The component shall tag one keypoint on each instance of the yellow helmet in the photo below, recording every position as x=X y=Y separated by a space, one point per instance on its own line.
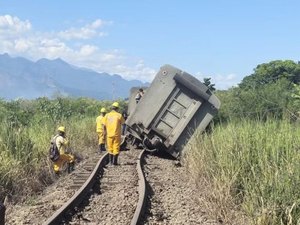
x=61 y=129
x=115 y=104
x=103 y=110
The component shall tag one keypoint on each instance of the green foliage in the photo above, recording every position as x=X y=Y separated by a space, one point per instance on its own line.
x=295 y=99
x=208 y=83
x=254 y=165
x=18 y=112
x=26 y=130
x=268 y=73
x=62 y=108
x=269 y=92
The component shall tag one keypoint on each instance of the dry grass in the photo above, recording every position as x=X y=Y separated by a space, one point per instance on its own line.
x=249 y=172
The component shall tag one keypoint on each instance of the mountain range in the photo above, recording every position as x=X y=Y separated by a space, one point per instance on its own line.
x=22 y=78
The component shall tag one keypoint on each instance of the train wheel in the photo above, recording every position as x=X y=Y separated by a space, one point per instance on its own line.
x=148 y=146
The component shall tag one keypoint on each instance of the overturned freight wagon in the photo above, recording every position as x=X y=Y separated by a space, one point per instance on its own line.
x=172 y=108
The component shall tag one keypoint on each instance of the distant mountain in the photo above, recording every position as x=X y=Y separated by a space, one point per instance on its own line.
x=22 y=78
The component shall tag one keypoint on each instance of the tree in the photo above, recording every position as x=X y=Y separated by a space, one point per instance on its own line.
x=272 y=90
x=271 y=72
x=208 y=83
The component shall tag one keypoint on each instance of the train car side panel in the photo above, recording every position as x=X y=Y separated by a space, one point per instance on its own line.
x=174 y=105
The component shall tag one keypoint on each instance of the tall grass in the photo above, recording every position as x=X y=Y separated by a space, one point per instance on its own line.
x=25 y=168
x=16 y=151
x=27 y=127
x=253 y=167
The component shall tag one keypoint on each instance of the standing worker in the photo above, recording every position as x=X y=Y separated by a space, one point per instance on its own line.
x=112 y=127
x=99 y=129
x=62 y=143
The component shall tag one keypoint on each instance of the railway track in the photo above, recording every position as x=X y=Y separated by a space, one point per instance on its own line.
x=172 y=196
x=109 y=195
x=119 y=195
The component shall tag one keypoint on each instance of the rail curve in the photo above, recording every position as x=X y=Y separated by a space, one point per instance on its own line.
x=80 y=194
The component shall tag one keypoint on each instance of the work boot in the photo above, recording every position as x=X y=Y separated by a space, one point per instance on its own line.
x=99 y=148
x=110 y=159
x=102 y=147
x=115 y=159
x=57 y=174
x=70 y=167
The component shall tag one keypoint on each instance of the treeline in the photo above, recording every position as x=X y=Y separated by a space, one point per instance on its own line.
x=271 y=91
x=25 y=112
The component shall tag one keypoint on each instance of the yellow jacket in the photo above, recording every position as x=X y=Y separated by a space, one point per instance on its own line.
x=99 y=123
x=62 y=144
x=113 y=121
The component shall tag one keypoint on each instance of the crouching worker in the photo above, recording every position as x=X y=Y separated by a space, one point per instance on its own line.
x=112 y=124
x=62 y=143
x=99 y=130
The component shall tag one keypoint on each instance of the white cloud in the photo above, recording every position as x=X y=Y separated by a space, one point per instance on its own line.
x=86 y=32
x=53 y=48
x=19 y=39
x=96 y=24
x=227 y=81
x=138 y=71
x=14 y=24
x=87 y=50
x=22 y=45
x=6 y=45
x=115 y=62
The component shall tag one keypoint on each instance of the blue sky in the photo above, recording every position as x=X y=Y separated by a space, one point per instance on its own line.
x=224 y=40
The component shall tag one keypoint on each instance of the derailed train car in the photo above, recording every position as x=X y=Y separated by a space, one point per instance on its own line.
x=172 y=108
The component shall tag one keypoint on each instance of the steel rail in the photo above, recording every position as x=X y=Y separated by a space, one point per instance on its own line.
x=77 y=198
x=2 y=214
x=140 y=208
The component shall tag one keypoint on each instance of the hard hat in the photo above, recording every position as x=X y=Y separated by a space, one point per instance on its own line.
x=115 y=104
x=61 y=129
x=103 y=110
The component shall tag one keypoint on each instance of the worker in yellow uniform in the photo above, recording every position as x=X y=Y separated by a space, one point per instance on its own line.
x=112 y=128
x=62 y=143
x=99 y=130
